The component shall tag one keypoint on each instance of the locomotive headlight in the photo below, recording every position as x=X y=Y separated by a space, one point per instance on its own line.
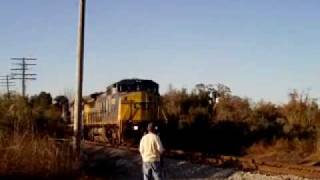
x=135 y=128
x=217 y=100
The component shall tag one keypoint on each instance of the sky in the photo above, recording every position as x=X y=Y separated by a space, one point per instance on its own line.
x=261 y=49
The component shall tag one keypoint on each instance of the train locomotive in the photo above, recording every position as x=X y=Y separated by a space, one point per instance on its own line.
x=122 y=112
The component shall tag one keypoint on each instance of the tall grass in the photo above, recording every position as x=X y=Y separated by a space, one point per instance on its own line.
x=25 y=155
x=27 y=148
x=29 y=129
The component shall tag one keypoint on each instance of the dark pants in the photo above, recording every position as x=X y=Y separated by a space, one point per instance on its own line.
x=151 y=169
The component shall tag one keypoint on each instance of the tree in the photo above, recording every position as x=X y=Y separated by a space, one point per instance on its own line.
x=43 y=100
x=62 y=104
x=223 y=90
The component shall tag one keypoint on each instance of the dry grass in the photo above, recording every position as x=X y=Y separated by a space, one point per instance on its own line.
x=30 y=156
x=282 y=145
x=283 y=150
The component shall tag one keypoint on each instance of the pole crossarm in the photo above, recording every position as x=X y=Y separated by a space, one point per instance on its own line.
x=5 y=76
x=18 y=69
x=1 y=82
x=28 y=64
x=25 y=78
x=24 y=58
x=16 y=74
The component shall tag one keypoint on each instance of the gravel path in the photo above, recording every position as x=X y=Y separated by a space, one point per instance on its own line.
x=119 y=164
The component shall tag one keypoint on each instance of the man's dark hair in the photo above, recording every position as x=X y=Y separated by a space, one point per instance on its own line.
x=150 y=127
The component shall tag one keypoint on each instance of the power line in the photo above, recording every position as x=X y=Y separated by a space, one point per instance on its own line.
x=20 y=71
x=6 y=81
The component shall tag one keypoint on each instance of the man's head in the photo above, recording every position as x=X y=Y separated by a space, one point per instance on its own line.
x=150 y=127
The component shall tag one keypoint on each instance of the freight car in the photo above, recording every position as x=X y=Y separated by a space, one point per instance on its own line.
x=122 y=112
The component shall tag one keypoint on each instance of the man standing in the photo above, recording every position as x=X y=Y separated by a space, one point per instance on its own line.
x=151 y=149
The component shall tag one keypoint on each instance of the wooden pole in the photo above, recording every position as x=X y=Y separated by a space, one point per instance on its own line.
x=77 y=126
x=8 y=86
x=23 y=78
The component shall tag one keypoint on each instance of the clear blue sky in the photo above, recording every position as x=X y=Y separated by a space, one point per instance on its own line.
x=260 y=49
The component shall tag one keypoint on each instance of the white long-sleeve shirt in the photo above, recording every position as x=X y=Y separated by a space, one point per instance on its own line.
x=150 y=148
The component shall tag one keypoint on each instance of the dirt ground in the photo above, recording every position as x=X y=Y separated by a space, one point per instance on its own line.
x=110 y=163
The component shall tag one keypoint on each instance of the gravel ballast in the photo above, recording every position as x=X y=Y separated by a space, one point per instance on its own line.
x=128 y=166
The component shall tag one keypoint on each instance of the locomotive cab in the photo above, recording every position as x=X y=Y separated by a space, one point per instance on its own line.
x=123 y=111
x=139 y=106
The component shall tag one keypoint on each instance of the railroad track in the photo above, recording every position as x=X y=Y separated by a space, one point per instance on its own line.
x=242 y=163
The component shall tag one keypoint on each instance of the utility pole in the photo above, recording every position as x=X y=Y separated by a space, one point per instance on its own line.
x=6 y=81
x=77 y=121
x=20 y=72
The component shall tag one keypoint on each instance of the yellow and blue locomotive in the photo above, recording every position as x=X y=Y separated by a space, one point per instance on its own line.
x=122 y=111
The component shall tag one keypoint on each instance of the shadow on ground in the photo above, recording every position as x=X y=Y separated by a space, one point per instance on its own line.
x=102 y=163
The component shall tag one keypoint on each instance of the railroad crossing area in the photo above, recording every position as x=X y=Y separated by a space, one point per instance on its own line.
x=113 y=163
